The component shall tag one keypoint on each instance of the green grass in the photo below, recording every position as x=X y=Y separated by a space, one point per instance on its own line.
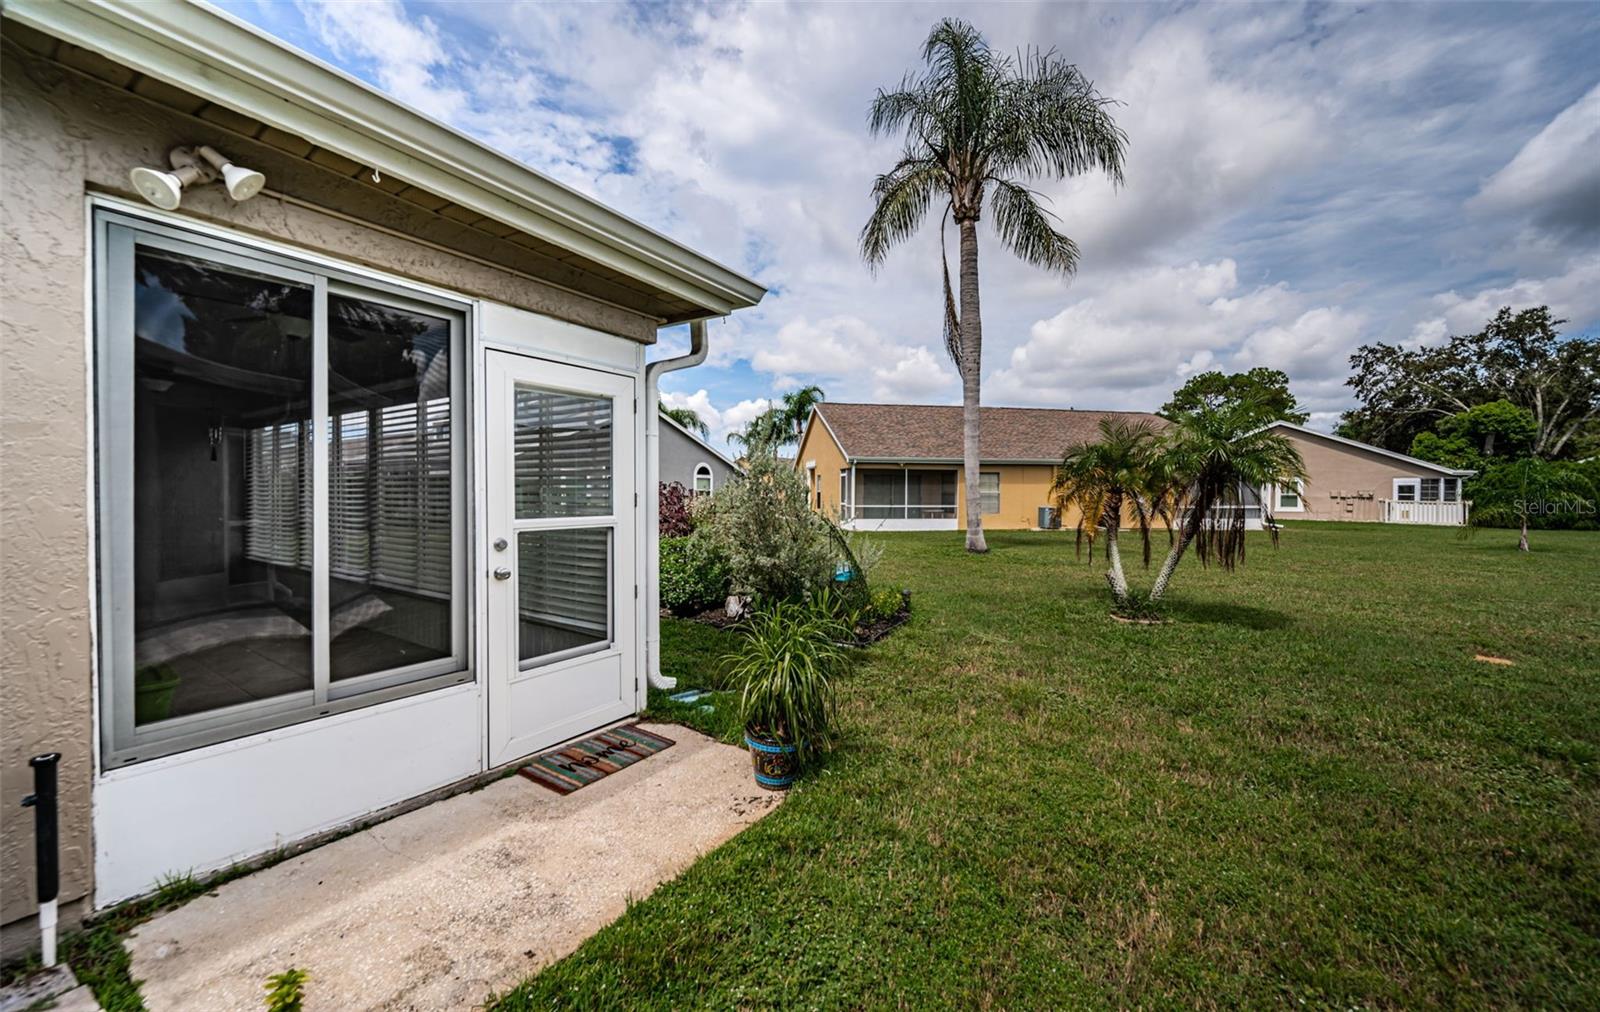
x=1302 y=790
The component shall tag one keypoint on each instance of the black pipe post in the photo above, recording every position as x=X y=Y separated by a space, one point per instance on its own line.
x=46 y=848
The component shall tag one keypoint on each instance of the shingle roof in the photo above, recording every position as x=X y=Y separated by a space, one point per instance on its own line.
x=933 y=431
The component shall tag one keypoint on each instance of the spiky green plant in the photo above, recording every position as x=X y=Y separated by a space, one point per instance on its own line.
x=977 y=124
x=785 y=663
x=1105 y=479
x=286 y=990
x=1207 y=465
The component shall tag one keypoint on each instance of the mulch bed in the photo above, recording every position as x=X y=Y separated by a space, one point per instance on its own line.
x=866 y=635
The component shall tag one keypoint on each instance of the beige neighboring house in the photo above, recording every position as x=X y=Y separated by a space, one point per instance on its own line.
x=898 y=467
x=1349 y=480
x=320 y=492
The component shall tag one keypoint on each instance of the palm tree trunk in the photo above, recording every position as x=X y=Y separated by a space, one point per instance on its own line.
x=1115 y=576
x=1113 y=522
x=1522 y=543
x=1164 y=577
x=971 y=369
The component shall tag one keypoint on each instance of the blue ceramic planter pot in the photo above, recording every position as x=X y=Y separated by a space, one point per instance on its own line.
x=777 y=765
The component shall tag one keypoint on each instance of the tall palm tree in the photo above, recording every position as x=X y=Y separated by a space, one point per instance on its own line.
x=795 y=409
x=1207 y=465
x=689 y=419
x=976 y=124
x=1104 y=479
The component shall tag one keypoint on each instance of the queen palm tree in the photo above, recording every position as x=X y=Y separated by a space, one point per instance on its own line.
x=1104 y=479
x=1207 y=464
x=781 y=423
x=689 y=418
x=980 y=124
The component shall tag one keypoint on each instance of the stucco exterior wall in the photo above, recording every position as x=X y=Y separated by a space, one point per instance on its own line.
x=680 y=455
x=818 y=446
x=66 y=135
x=1346 y=482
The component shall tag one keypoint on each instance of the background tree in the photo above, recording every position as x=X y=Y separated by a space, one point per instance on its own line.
x=1103 y=479
x=1530 y=492
x=1518 y=357
x=1209 y=460
x=1266 y=388
x=979 y=124
x=781 y=424
x=1472 y=438
x=689 y=419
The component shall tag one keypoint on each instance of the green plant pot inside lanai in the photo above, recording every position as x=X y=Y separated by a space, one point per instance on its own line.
x=785 y=666
x=153 y=688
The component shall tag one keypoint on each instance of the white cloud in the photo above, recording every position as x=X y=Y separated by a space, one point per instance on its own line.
x=1572 y=295
x=853 y=359
x=401 y=49
x=1130 y=344
x=1555 y=177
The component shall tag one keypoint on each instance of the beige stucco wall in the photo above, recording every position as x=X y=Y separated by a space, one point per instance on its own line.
x=65 y=135
x=818 y=446
x=1346 y=482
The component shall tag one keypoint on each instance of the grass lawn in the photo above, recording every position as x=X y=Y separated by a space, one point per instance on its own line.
x=1305 y=789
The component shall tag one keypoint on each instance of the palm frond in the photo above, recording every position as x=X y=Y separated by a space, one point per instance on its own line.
x=1027 y=229
x=901 y=199
x=952 y=319
x=1055 y=124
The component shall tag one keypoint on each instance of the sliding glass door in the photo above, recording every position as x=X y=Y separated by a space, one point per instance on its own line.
x=281 y=490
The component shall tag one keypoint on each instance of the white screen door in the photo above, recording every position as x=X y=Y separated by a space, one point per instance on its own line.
x=560 y=593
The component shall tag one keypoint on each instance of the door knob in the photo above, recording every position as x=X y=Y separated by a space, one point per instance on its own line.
x=499 y=544
x=502 y=573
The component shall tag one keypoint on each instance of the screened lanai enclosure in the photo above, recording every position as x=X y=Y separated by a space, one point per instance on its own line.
x=225 y=497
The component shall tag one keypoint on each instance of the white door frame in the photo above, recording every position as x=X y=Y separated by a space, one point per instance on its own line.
x=532 y=707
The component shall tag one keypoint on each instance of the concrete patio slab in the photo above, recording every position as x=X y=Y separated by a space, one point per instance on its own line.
x=441 y=906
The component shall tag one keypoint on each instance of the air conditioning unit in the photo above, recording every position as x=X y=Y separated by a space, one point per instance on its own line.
x=1049 y=518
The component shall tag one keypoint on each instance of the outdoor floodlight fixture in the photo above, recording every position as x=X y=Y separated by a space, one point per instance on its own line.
x=191 y=166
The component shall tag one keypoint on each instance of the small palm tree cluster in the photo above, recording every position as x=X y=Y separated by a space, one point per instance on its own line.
x=1195 y=478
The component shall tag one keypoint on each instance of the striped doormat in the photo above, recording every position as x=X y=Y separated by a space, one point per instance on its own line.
x=581 y=763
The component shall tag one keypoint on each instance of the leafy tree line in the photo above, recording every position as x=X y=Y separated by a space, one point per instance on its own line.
x=1515 y=402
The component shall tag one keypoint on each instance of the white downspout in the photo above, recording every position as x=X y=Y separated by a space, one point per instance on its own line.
x=652 y=509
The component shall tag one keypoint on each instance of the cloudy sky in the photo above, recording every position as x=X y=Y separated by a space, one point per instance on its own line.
x=1300 y=179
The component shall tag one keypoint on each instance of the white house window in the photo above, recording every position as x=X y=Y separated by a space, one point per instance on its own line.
x=702 y=479
x=1430 y=489
x=1288 y=498
x=1405 y=491
x=844 y=487
x=989 y=492
x=280 y=490
x=1452 y=490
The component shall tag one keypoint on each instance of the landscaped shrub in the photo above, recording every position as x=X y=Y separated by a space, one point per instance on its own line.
x=675 y=520
x=761 y=526
x=692 y=579
x=886 y=604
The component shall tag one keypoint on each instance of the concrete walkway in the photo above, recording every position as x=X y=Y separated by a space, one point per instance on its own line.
x=439 y=907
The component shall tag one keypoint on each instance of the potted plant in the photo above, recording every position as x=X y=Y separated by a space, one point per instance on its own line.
x=153 y=688
x=785 y=666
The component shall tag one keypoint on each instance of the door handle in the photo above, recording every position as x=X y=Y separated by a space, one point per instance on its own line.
x=502 y=573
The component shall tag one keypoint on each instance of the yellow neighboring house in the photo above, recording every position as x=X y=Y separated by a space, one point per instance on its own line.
x=898 y=467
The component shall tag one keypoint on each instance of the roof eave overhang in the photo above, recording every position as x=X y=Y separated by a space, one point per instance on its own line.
x=982 y=461
x=1456 y=472
x=178 y=42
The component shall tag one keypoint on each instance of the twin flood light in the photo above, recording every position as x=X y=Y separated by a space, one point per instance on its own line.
x=194 y=166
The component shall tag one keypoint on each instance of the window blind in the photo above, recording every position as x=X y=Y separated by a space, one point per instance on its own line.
x=562 y=454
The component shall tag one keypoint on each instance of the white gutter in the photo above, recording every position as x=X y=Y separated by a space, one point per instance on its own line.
x=652 y=509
